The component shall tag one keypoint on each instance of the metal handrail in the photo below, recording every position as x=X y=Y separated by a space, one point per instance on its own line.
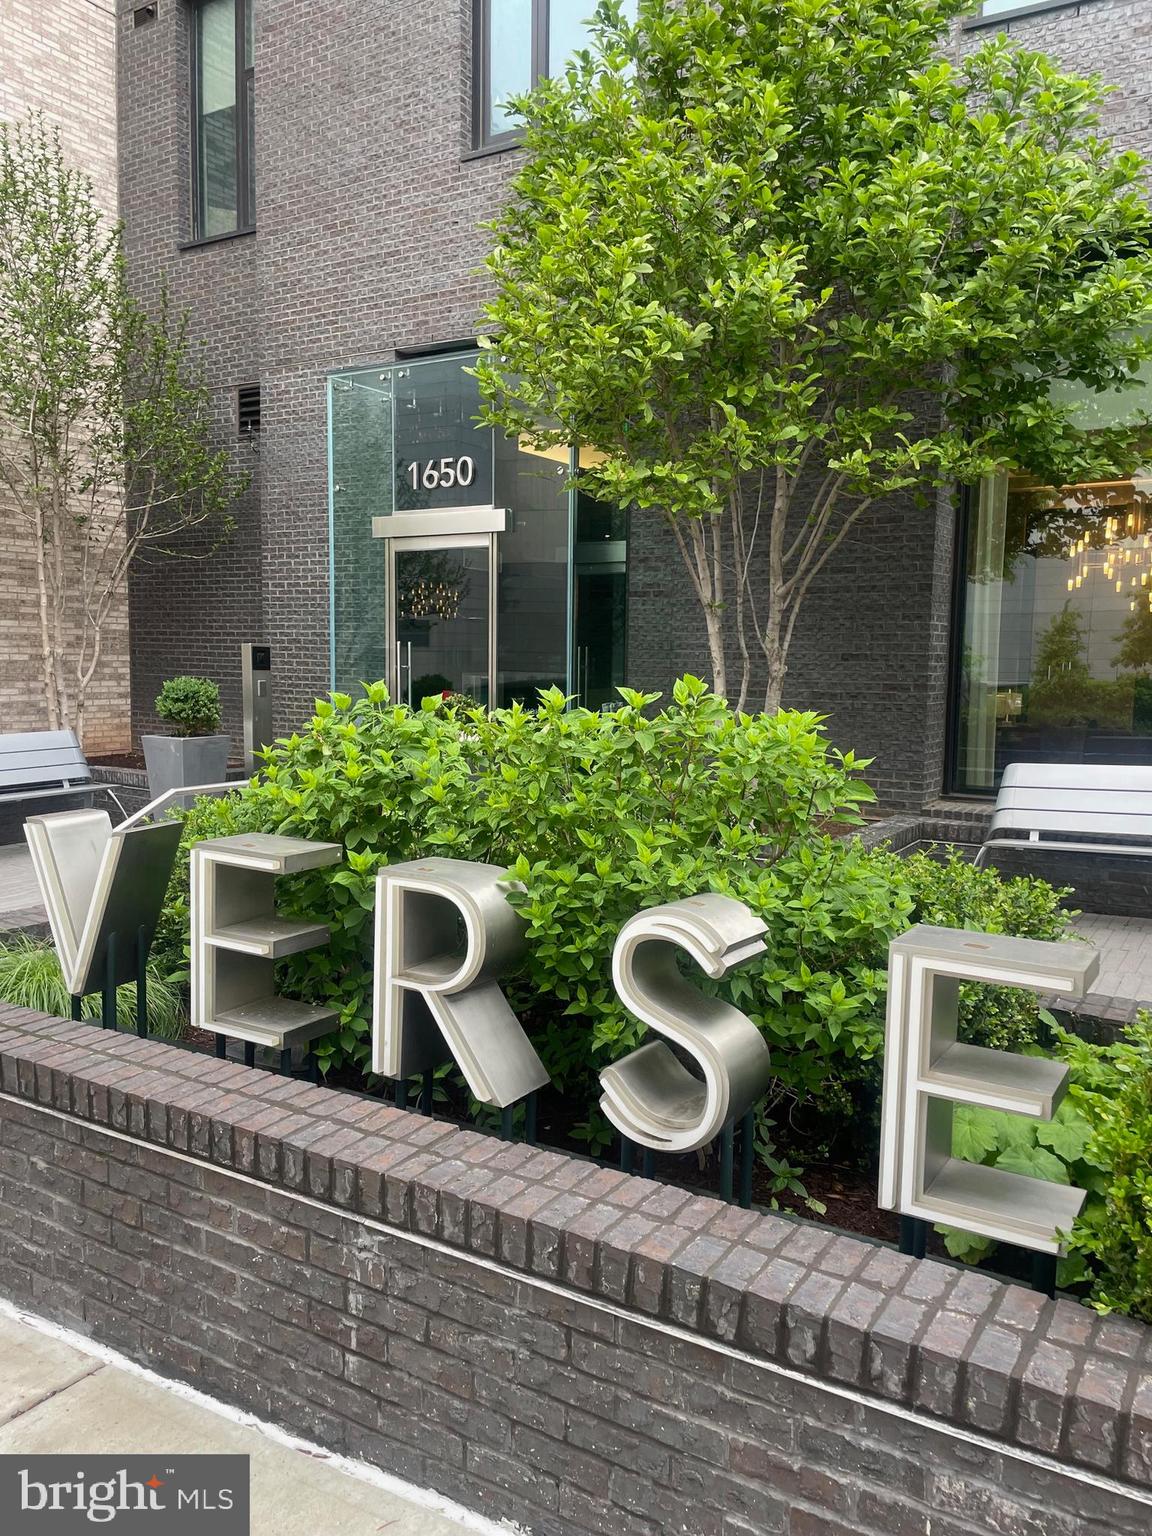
x=170 y=795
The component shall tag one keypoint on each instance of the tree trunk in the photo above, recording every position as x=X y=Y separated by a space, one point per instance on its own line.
x=775 y=656
x=47 y=658
x=714 y=623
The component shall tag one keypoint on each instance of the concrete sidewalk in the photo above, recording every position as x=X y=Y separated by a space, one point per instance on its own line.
x=56 y=1397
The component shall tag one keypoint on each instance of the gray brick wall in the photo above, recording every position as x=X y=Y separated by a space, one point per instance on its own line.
x=367 y=213
x=563 y=1346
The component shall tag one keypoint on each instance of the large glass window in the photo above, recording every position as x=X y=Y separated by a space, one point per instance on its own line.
x=223 y=161
x=1056 y=652
x=518 y=43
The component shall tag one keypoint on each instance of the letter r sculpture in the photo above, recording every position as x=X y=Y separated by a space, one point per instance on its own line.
x=444 y=932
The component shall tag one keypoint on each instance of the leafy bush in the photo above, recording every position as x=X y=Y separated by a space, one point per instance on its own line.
x=30 y=978
x=190 y=703
x=950 y=892
x=598 y=815
x=464 y=702
x=1114 y=1233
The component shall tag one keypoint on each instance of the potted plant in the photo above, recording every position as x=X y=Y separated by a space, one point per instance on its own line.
x=196 y=752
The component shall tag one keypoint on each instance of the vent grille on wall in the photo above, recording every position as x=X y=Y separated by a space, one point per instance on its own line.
x=143 y=14
x=248 y=410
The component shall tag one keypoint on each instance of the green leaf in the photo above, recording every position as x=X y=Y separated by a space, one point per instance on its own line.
x=975 y=1132
x=969 y=1247
x=1035 y=1162
x=1067 y=1134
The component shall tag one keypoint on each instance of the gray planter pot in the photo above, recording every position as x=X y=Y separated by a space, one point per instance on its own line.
x=178 y=762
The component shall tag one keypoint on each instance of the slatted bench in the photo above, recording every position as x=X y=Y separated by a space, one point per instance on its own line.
x=1073 y=808
x=39 y=765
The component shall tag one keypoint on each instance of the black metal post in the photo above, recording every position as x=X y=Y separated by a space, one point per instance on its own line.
x=221 y=1046
x=77 y=1007
x=108 y=1007
x=249 y=1053
x=1044 y=1273
x=142 y=982
x=530 y=1119
x=427 y=1090
x=747 y=1157
x=401 y=1093
x=286 y=1061
x=913 y=1236
x=627 y=1154
x=727 y=1136
x=506 y=1121
x=648 y=1163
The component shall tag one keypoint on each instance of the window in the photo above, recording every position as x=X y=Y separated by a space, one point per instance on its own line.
x=994 y=10
x=1055 y=660
x=222 y=94
x=518 y=43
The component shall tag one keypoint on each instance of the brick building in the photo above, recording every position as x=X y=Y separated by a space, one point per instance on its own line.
x=312 y=189
x=59 y=59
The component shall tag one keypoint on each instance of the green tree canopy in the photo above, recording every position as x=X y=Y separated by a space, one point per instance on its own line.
x=774 y=260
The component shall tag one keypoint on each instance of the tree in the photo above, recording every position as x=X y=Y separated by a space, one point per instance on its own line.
x=104 y=419
x=1135 y=653
x=774 y=260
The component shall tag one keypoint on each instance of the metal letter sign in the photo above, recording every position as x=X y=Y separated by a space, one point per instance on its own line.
x=651 y=1096
x=103 y=889
x=444 y=932
x=927 y=1070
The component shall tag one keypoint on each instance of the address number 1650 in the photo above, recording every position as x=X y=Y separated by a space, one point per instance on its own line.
x=442 y=474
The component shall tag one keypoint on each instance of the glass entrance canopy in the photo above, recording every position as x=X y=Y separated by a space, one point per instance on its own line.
x=415 y=486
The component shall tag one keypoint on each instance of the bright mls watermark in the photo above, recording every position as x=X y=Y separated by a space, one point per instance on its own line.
x=146 y=1495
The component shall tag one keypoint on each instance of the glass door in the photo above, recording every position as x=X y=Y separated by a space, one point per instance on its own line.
x=440 y=599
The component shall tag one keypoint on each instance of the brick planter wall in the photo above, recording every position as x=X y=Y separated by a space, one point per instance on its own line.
x=549 y=1342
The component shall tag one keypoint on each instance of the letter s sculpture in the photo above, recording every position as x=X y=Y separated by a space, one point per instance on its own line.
x=651 y=1096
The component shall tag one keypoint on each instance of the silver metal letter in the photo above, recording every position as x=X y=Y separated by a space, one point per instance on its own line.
x=927 y=1070
x=237 y=938
x=444 y=932
x=651 y=1096
x=97 y=880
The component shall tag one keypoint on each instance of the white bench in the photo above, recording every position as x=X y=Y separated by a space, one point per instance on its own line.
x=1072 y=808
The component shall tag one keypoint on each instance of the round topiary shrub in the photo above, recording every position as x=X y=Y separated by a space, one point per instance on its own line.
x=191 y=704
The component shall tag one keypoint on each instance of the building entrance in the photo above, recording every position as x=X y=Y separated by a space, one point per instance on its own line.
x=442 y=609
x=463 y=559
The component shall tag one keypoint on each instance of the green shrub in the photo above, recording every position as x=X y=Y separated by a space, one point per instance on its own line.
x=464 y=702
x=950 y=892
x=599 y=814
x=30 y=978
x=1114 y=1234
x=191 y=704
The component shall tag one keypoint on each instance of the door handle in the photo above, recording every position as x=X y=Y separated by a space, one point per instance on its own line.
x=403 y=686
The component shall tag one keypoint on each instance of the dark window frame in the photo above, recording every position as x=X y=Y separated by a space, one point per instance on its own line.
x=482 y=140
x=245 y=87
x=1024 y=9
x=967 y=504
